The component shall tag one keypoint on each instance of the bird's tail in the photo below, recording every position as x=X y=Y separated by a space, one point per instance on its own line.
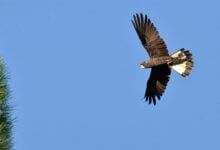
x=185 y=65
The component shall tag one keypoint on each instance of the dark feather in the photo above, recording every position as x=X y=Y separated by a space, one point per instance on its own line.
x=157 y=83
x=149 y=36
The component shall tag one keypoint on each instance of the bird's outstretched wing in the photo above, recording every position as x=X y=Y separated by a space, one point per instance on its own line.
x=157 y=82
x=149 y=36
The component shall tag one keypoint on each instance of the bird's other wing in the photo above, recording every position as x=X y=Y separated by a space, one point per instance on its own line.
x=157 y=83
x=149 y=36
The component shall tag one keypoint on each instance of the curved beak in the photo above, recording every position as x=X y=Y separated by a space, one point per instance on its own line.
x=142 y=66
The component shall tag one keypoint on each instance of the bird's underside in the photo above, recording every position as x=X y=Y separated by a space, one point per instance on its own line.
x=160 y=61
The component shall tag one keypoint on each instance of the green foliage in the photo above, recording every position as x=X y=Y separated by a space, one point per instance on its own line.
x=5 y=118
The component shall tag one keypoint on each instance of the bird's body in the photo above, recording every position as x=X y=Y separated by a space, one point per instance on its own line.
x=182 y=60
x=157 y=61
x=160 y=61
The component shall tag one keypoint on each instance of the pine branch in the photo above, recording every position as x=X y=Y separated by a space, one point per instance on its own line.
x=5 y=117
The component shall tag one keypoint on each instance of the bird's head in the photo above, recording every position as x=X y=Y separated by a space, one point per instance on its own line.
x=145 y=64
x=142 y=66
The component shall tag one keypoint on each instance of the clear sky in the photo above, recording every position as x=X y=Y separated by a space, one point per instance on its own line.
x=76 y=83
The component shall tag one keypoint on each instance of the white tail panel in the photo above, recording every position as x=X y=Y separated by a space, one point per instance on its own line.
x=181 y=68
x=185 y=67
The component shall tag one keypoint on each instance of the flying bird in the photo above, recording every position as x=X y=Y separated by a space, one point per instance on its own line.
x=160 y=61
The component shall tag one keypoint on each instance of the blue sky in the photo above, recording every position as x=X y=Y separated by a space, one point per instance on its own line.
x=76 y=83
